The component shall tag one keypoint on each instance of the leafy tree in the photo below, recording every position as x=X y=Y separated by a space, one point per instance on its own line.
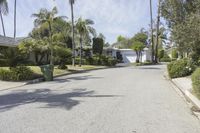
x=102 y=36
x=39 y=48
x=61 y=55
x=184 y=22
x=139 y=43
x=138 y=47
x=120 y=38
x=98 y=46
x=140 y=37
x=123 y=42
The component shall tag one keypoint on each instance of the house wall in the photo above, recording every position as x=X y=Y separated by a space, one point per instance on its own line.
x=129 y=55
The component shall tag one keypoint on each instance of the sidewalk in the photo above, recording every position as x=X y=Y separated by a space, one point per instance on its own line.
x=185 y=86
x=8 y=85
x=185 y=83
x=4 y=85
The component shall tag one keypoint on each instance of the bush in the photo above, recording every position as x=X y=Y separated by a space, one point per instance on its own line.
x=196 y=82
x=101 y=60
x=180 y=68
x=165 y=58
x=62 y=56
x=161 y=54
x=174 y=54
x=83 y=61
x=16 y=74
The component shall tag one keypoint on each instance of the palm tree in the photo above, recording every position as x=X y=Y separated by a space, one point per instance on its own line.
x=15 y=18
x=71 y=2
x=45 y=16
x=84 y=30
x=152 y=38
x=3 y=11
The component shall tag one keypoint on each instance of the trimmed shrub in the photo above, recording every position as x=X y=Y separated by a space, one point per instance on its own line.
x=16 y=74
x=196 y=82
x=101 y=60
x=180 y=68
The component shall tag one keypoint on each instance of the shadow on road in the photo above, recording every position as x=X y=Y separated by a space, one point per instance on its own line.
x=68 y=79
x=46 y=96
x=150 y=68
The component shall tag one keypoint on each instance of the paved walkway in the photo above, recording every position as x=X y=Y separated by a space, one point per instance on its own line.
x=118 y=100
x=184 y=83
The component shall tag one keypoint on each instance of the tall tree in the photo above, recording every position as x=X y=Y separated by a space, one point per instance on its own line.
x=45 y=16
x=15 y=18
x=72 y=2
x=138 y=48
x=3 y=11
x=84 y=30
x=157 y=31
x=139 y=42
x=152 y=38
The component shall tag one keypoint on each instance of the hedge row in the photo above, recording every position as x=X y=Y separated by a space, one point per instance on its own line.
x=20 y=73
x=196 y=82
x=98 y=60
x=180 y=68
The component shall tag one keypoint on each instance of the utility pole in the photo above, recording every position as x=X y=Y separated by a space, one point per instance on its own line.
x=157 y=31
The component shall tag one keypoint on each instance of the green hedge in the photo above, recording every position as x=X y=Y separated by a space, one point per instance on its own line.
x=165 y=58
x=180 y=68
x=196 y=82
x=98 y=60
x=20 y=73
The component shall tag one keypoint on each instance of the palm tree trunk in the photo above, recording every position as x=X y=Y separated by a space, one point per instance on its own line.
x=73 y=41
x=2 y=22
x=152 y=39
x=157 y=32
x=15 y=18
x=81 y=42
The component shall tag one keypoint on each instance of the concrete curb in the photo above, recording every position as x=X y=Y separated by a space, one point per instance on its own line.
x=57 y=76
x=35 y=81
x=193 y=99
x=187 y=94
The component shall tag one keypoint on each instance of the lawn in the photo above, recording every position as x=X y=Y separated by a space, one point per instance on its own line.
x=71 y=69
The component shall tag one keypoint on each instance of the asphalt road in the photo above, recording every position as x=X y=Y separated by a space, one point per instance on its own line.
x=118 y=100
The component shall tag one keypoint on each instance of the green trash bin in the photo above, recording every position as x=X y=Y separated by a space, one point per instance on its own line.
x=47 y=71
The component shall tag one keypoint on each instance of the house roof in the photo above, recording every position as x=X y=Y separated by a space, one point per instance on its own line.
x=10 y=42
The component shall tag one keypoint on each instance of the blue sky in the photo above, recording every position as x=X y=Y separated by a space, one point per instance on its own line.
x=112 y=17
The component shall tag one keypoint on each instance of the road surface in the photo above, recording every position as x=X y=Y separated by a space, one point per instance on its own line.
x=117 y=100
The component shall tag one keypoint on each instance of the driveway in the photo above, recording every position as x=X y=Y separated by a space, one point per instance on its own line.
x=118 y=100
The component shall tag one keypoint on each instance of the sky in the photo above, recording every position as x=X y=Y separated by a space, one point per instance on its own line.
x=111 y=17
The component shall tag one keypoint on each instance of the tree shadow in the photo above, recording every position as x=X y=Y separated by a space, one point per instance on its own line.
x=46 y=96
x=150 y=68
x=68 y=79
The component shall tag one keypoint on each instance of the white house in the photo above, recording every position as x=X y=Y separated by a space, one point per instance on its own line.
x=128 y=55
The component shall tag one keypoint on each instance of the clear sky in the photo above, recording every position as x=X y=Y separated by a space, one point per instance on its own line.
x=111 y=17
